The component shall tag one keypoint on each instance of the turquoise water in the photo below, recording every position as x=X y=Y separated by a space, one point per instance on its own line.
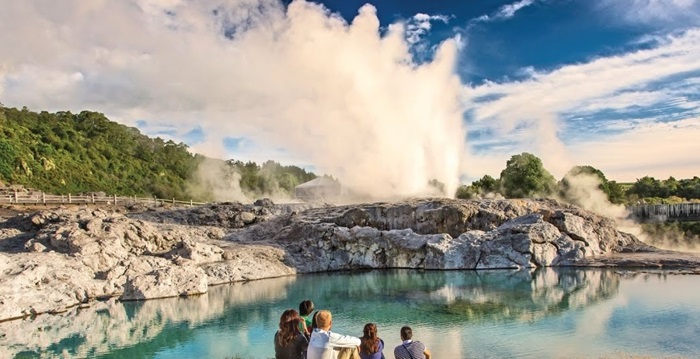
x=551 y=313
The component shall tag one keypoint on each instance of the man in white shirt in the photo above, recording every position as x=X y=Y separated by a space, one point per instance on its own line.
x=323 y=342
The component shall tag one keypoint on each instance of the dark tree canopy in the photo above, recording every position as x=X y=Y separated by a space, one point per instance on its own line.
x=650 y=187
x=484 y=185
x=525 y=176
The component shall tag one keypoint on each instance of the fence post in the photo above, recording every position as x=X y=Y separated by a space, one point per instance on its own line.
x=70 y=200
x=190 y=202
x=93 y=198
x=16 y=198
x=155 y=200
x=173 y=200
x=43 y=197
x=115 y=199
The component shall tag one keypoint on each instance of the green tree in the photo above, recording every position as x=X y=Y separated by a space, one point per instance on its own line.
x=466 y=192
x=612 y=189
x=689 y=188
x=487 y=184
x=646 y=187
x=615 y=192
x=7 y=159
x=525 y=176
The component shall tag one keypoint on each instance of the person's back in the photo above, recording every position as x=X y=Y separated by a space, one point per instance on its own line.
x=306 y=307
x=290 y=343
x=372 y=345
x=410 y=349
x=323 y=342
x=291 y=350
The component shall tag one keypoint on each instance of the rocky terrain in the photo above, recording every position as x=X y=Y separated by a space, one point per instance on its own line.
x=54 y=259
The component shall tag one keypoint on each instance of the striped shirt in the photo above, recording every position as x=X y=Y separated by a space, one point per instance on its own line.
x=410 y=350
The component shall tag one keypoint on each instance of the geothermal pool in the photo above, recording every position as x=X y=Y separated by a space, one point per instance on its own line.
x=548 y=313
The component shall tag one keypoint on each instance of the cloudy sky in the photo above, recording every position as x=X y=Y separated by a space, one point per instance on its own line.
x=383 y=93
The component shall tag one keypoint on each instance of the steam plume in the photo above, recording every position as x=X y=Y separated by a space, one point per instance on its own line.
x=347 y=98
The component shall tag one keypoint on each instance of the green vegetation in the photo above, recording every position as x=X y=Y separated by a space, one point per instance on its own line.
x=65 y=153
x=525 y=176
x=269 y=178
x=666 y=191
x=614 y=191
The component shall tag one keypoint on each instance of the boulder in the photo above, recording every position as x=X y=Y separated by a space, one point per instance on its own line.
x=42 y=283
x=162 y=280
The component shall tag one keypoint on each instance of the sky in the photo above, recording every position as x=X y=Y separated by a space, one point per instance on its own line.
x=383 y=94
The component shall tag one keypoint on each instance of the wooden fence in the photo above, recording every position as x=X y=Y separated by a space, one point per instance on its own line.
x=667 y=212
x=20 y=198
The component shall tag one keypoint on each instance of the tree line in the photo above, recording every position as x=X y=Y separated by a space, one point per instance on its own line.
x=65 y=153
x=525 y=176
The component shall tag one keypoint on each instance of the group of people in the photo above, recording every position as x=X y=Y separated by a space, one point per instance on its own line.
x=302 y=335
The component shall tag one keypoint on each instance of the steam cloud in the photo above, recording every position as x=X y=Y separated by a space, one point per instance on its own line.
x=345 y=97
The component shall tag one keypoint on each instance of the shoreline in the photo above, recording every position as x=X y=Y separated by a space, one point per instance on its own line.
x=52 y=260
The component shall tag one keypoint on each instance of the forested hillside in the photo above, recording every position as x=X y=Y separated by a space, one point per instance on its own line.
x=65 y=153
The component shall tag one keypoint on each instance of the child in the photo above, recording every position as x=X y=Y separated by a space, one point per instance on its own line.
x=306 y=307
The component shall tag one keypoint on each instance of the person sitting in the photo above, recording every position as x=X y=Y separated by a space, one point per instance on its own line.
x=371 y=345
x=306 y=307
x=290 y=342
x=410 y=349
x=323 y=342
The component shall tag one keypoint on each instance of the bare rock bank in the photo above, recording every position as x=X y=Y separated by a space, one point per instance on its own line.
x=54 y=259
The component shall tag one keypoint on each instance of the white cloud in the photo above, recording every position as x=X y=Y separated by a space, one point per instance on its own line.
x=534 y=107
x=508 y=11
x=420 y=24
x=656 y=149
x=336 y=95
x=505 y=12
x=653 y=12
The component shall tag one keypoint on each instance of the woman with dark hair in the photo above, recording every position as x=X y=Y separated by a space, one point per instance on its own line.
x=371 y=345
x=290 y=342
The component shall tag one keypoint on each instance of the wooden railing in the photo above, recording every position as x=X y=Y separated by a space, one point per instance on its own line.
x=20 y=198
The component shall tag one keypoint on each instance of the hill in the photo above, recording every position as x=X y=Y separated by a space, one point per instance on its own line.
x=65 y=153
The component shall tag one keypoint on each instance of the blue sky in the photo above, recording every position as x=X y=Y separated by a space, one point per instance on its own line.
x=420 y=89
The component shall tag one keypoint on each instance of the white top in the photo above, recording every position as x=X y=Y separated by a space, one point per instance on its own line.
x=323 y=342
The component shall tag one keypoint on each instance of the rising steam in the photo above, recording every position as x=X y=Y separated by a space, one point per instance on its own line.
x=346 y=98
x=351 y=100
x=583 y=190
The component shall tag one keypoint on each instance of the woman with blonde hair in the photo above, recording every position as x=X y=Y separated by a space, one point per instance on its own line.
x=371 y=345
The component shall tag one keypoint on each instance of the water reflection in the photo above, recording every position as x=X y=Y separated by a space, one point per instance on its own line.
x=495 y=296
x=135 y=329
x=458 y=313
